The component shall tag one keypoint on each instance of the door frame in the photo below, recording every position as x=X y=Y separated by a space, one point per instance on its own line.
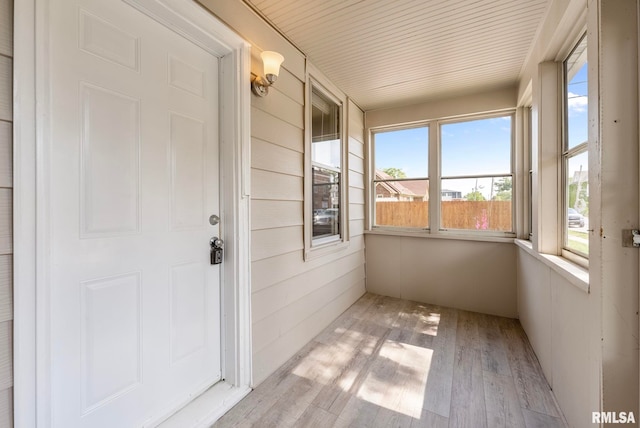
x=31 y=334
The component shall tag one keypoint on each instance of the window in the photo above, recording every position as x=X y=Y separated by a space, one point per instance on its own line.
x=401 y=178
x=326 y=167
x=476 y=166
x=575 y=155
x=475 y=163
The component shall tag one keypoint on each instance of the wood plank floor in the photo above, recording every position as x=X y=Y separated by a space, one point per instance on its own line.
x=388 y=362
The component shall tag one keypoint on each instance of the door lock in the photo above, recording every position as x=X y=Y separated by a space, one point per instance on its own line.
x=631 y=238
x=216 y=250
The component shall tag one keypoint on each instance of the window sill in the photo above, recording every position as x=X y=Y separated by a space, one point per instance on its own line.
x=325 y=249
x=441 y=235
x=572 y=272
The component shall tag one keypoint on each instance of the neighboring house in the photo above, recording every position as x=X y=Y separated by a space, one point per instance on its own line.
x=130 y=140
x=401 y=190
x=420 y=188
x=407 y=190
x=451 y=195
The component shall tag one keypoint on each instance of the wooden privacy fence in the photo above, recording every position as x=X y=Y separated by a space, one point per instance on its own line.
x=480 y=215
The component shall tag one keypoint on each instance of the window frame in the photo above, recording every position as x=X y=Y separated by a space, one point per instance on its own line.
x=434 y=228
x=373 y=181
x=566 y=154
x=512 y=163
x=316 y=247
x=529 y=203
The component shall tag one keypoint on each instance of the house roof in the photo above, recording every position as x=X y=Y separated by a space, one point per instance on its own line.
x=389 y=53
x=418 y=188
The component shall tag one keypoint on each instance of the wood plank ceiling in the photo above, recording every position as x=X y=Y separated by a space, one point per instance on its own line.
x=385 y=53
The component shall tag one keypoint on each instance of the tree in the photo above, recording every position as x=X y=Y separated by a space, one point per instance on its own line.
x=395 y=172
x=582 y=204
x=503 y=189
x=476 y=195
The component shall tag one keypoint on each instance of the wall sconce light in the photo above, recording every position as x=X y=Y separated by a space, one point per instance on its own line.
x=271 y=61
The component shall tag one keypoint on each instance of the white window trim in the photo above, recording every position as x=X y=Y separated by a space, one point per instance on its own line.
x=574 y=273
x=548 y=219
x=523 y=163
x=435 y=178
x=566 y=154
x=326 y=245
x=527 y=170
x=372 y=168
x=546 y=196
x=545 y=154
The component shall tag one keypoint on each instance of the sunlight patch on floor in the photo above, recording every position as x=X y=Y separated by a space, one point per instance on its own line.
x=398 y=378
x=326 y=362
x=428 y=324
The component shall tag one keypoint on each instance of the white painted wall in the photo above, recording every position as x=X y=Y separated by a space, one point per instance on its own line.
x=6 y=213
x=292 y=299
x=436 y=109
x=471 y=275
x=587 y=343
x=614 y=200
x=556 y=316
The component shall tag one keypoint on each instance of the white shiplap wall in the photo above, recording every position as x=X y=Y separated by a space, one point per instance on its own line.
x=6 y=217
x=292 y=299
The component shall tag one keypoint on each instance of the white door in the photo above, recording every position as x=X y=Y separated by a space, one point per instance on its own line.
x=133 y=179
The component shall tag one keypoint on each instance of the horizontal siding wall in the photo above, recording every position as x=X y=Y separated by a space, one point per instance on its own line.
x=292 y=299
x=6 y=213
x=356 y=173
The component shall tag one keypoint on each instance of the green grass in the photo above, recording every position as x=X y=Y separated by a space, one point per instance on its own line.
x=576 y=245
x=579 y=234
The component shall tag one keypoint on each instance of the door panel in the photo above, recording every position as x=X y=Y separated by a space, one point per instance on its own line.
x=133 y=178
x=109 y=202
x=187 y=172
x=111 y=357
x=188 y=296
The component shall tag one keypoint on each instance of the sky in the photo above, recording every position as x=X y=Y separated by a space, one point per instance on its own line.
x=477 y=147
x=577 y=100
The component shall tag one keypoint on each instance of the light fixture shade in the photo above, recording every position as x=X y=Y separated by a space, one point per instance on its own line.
x=271 y=61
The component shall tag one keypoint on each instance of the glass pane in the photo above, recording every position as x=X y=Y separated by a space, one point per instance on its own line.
x=326 y=203
x=477 y=204
x=576 y=100
x=577 y=200
x=325 y=131
x=402 y=203
x=402 y=153
x=326 y=153
x=477 y=147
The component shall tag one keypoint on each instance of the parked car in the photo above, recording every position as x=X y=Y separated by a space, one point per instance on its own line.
x=575 y=218
x=325 y=216
x=326 y=222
